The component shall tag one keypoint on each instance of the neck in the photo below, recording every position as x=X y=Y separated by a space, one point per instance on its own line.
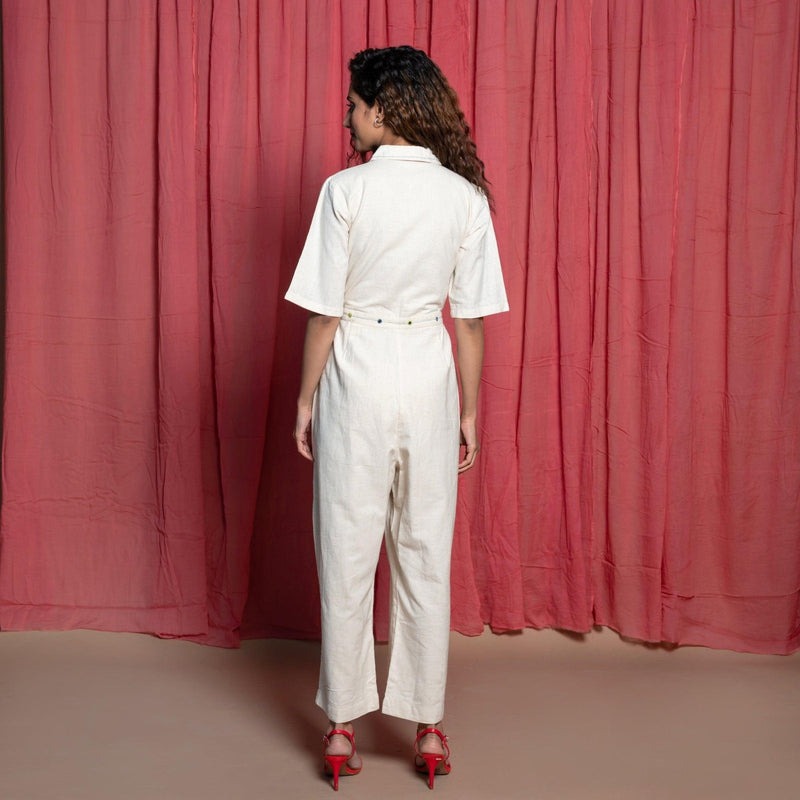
x=390 y=137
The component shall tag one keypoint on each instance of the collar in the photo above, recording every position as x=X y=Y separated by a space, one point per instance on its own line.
x=405 y=152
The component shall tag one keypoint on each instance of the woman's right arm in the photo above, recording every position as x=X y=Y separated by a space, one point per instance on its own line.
x=320 y=331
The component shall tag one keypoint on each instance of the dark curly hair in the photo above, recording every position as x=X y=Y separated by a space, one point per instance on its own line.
x=419 y=105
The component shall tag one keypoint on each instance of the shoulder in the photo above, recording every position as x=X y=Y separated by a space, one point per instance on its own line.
x=349 y=177
x=475 y=201
x=345 y=187
x=472 y=196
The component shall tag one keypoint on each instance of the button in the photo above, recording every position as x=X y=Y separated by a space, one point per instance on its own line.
x=349 y=314
x=379 y=321
x=409 y=322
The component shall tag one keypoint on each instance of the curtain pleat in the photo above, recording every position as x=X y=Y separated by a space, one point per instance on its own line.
x=640 y=404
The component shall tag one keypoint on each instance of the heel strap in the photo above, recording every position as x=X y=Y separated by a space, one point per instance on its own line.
x=338 y=731
x=425 y=732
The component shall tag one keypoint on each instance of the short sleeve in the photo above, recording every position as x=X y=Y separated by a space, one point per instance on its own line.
x=321 y=273
x=476 y=288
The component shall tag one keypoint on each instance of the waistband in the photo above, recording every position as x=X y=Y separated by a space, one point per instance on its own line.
x=404 y=322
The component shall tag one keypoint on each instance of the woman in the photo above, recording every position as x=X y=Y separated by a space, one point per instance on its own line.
x=390 y=241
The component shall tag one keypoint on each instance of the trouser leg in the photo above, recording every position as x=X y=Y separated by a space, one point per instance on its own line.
x=419 y=625
x=419 y=543
x=353 y=473
x=348 y=537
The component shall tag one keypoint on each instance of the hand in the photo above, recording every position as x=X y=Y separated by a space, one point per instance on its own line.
x=302 y=432
x=469 y=440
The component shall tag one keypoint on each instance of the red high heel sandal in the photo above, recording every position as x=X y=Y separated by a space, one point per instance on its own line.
x=334 y=764
x=433 y=763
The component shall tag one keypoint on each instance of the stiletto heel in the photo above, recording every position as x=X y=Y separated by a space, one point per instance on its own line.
x=433 y=763
x=334 y=763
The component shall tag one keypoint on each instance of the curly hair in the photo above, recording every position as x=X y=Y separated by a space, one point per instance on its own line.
x=419 y=105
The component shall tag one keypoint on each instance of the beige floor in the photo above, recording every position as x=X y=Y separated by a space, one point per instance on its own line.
x=539 y=716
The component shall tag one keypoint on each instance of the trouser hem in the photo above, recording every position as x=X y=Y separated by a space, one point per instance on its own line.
x=346 y=713
x=411 y=711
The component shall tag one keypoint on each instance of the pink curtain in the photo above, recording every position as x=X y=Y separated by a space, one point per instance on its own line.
x=640 y=403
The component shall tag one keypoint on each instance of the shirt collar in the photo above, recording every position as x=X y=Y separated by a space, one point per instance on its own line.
x=405 y=152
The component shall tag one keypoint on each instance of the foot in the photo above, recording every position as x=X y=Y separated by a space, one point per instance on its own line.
x=339 y=745
x=432 y=753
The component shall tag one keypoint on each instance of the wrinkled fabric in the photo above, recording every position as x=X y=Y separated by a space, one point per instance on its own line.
x=640 y=409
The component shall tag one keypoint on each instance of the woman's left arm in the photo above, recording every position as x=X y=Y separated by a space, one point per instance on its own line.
x=469 y=344
x=320 y=331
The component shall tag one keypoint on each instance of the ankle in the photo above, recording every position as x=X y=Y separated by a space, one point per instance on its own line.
x=340 y=726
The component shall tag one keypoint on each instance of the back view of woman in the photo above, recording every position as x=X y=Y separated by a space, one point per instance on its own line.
x=390 y=241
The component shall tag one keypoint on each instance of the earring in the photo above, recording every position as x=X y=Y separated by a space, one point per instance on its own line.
x=378 y=122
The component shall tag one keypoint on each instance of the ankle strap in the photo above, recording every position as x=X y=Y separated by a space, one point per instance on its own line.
x=327 y=737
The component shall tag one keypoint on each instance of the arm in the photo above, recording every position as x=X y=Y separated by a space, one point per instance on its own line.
x=320 y=331
x=469 y=340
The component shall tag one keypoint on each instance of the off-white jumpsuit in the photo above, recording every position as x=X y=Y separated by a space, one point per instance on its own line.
x=389 y=241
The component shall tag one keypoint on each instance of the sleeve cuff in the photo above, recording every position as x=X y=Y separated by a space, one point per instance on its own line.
x=313 y=305
x=457 y=312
